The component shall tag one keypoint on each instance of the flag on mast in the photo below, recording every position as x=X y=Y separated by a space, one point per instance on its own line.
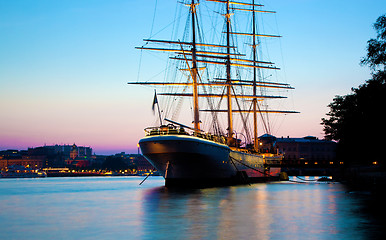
x=155 y=100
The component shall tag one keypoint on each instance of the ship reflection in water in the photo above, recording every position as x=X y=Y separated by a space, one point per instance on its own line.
x=118 y=208
x=259 y=211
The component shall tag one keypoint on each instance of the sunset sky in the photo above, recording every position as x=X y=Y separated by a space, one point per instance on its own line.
x=64 y=67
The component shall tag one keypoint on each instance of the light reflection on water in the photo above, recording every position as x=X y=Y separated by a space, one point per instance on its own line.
x=117 y=207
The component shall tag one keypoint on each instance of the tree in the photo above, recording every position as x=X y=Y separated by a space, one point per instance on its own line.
x=113 y=163
x=376 y=48
x=357 y=120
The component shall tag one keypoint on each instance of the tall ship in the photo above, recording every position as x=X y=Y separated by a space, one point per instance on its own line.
x=223 y=82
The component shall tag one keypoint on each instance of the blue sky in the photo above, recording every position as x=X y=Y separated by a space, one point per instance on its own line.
x=64 y=66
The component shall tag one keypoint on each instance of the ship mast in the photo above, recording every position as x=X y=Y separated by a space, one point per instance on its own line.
x=255 y=138
x=228 y=75
x=194 y=69
x=196 y=52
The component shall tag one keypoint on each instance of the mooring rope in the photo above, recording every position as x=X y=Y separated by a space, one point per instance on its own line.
x=289 y=180
x=147 y=176
x=257 y=170
x=314 y=180
x=267 y=174
x=245 y=179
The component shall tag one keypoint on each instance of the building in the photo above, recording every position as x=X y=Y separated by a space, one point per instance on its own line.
x=79 y=156
x=48 y=156
x=300 y=150
x=137 y=161
x=142 y=164
x=66 y=150
x=15 y=157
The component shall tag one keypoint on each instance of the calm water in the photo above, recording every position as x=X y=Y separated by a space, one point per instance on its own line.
x=118 y=208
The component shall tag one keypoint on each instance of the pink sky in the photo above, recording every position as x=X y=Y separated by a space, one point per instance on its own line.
x=64 y=68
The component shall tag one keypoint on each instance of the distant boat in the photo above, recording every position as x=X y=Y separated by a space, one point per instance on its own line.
x=230 y=83
x=17 y=171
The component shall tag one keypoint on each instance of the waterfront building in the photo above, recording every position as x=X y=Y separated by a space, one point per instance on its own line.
x=47 y=156
x=142 y=164
x=66 y=150
x=79 y=157
x=74 y=152
x=136 y=161
x=15 y=157
x=300 y=150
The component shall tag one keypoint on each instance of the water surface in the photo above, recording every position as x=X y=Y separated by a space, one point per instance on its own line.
x=118 y=208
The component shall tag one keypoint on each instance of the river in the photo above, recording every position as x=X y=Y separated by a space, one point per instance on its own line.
x=119 y=208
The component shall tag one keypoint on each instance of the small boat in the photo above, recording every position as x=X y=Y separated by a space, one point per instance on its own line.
x=17 y=171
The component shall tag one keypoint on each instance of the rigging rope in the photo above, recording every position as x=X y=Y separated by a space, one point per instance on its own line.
x=152 y=24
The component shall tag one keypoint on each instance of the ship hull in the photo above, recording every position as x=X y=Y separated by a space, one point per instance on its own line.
x=190 y=161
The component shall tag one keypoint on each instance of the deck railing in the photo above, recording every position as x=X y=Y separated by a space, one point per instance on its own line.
x=173 y=130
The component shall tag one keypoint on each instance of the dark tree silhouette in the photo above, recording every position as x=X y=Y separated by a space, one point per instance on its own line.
x=357 y=120
x=113 y=163
x=376 y=48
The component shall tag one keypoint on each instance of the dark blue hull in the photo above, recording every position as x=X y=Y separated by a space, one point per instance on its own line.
x=190 y=161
